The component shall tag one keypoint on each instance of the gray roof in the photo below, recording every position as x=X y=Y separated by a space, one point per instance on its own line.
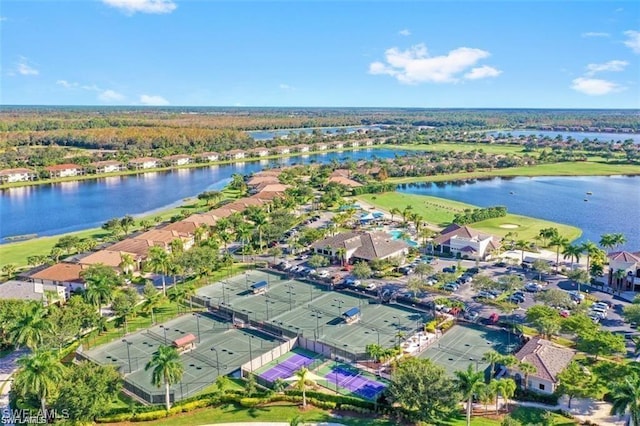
x=548 y=358
x=367 y=245
x=23 y=290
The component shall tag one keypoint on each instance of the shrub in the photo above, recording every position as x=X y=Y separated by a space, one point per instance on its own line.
x=151 y=415
x=524 y=395
x=250 y=402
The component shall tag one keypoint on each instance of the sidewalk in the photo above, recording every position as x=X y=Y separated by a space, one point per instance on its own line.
x=7 y=368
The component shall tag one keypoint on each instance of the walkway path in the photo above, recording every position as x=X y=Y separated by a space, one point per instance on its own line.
x=7 y=368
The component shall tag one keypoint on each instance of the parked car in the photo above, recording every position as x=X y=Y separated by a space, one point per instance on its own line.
x=449 y=269
x=450 y=287
x=371 y=286
x=485 y=295
x=471 y=315
x=565 y=313
x=323 y=274
x=533 y=287
x=601 y=305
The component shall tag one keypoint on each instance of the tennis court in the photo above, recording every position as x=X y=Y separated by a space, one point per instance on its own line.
x=466 y=344
x=285 y=366
x=314 y=312
x=220 y=349
x=349 y=380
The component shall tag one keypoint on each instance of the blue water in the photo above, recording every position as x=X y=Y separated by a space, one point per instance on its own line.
x=396 y=234
x=71 y=206
x=261 y=135
x=578 y=136
x=614 y=205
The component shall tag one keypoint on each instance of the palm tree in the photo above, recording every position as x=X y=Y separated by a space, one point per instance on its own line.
x=506 y=388
x=127 y=262
x=589 y=248
x=166 y=368
x=469 y=382
x=559 y=242
x=522 y=245
x=625 y=396
x=99 y=290
x=394 y=211
x=611 y=241
x=9 y=269
x=493 y=358
x=618 y=240
x=619 y=275
x=572 y=251
x=243 y=233
x=526 y=368
x=39 y=373
x=30 y=326
x=159 y=262
x=260 y=221
x=302 y=379
x=341 y=253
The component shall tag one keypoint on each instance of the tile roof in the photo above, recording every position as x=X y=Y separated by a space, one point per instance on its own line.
x=143 y=160
x=161 y=236
x=61 y=272
x=624 y=256
x=257 y=180
x=62 y=167
x=548 y=358
x=272 y=187
x=138 y=247
x=106 y=163
x=367 y=245
x=19 y=170
x=184 y=340
x=455 y=230
x=345 y=181
x=107 y=257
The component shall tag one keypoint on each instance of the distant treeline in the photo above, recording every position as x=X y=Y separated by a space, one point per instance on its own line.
x=477 y=215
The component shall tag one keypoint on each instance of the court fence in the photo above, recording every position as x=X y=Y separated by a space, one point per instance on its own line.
x=267 y=357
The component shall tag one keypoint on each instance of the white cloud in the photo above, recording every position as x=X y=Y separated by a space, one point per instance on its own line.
x=595 y=86
x=482 y=72
x=633 y=40
x=595 y=34
x=405 y=32
x=24 y=68
x=284 y=86
x=110 y=96
x=414 y=65
x=592 y=69
x=153 y=100
x=66 y=84
x=143 y=6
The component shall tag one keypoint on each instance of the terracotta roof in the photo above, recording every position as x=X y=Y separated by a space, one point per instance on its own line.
x=62 y=167
x=177 y=157
x=209 y=154
x=270 y=172
x=272 y=187
x=15 y=171
x=267 y=196
x=624 y=256
x=137 y=247
x=161 y=236
x=181 y=226
x=61 y=272
x=340 y=173
x=107 y=257
x=345 y=181
x=202 y=219
x=184 y=340
x=548 y=358
x=235 y=151
x=257 y=180
x=143 y=160
x=223 y=212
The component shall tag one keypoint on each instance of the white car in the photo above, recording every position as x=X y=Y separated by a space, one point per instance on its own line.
x=599 y=311
x=323 y=274
x=601 y=305
x=371 y=286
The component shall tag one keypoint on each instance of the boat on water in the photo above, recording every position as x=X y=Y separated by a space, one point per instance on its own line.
x=589 y=193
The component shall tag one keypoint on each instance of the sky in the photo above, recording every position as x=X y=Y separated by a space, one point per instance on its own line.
x=430 y=54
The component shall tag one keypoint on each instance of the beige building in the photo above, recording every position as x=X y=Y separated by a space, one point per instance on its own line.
x=17 y=175
x=465 y=242
x=629 y=264
x=361 y=246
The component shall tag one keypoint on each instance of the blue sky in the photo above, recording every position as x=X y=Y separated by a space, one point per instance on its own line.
x=543 y=54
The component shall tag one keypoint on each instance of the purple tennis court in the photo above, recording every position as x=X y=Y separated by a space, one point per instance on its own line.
x=287 y=368
x=353 y=381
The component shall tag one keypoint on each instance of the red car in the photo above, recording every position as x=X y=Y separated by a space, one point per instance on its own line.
x=493 y=318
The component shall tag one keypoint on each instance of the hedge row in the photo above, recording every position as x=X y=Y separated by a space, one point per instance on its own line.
x=339 y=400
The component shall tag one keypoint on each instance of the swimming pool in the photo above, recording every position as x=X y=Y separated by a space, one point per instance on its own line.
x=396 y=234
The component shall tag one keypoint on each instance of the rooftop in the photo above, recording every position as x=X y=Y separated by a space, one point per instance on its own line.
x=60 y=272
x=548 y=358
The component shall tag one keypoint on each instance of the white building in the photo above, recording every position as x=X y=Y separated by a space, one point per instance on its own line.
x=465 y=242
x=16 y=175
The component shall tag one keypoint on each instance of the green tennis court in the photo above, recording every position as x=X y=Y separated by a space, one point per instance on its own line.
x=220 y=349
x=466 y=344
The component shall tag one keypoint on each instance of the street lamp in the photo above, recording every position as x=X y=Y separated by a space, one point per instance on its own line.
x=217 y=360
x=290 y=287
x=339 y=302
x=165 y=333
x=378 y=332
x=197 y=324
x=128 y=343
x=266 y=303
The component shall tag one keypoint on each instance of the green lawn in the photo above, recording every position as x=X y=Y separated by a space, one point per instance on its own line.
x=462 y=147
x=440 y=211
x=584 y=168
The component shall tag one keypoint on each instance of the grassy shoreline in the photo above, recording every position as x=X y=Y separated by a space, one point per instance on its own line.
x=440 y=211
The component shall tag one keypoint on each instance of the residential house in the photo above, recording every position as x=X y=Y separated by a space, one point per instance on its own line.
x=355 y=144
x=107 y=166
x=111 y=258
x=320 y=146
x=549 y=360
x=270 y=187
x=368 y=142
x=361 y=246
x=465 y=242
x=256 y=180
x=260 y=152
x=338 y=145
x=163 y=238
x=27 y=290
x=235 y=154
x=144 y=163
x=209 y=156
x=62 y=274
x=629 y=263
x=140 y=248
x=281 y=150
x=64 y=170
x=17 y=175
x=178 y=159
x=345 y=181
x=302 y=148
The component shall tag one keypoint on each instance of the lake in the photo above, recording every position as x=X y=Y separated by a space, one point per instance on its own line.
x=579 y=136
x=52 y=209
x=261 y=135
x=613 y=206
